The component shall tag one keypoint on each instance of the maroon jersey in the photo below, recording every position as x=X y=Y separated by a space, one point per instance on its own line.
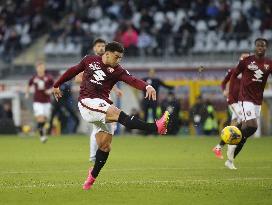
x=234 y=92
x=41 y=84
x=98 y=78
x=255 y=73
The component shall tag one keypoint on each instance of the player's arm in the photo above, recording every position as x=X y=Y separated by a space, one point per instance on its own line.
x=225 y=83
x=78 y=78
x=138 y=84
x=239 y=69
x=165 y=85
x=68 y=75
x=28 y=86
x=49 y=89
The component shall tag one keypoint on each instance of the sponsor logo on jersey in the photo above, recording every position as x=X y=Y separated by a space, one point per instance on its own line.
x=252 y=66
x=248 y=113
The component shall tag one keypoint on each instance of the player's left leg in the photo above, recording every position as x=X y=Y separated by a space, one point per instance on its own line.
x=104 y=146
x=235 y=121
x=93 y=144
x=250 y=126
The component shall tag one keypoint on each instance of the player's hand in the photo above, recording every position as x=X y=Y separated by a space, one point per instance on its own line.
x=57 y=93
x=150 y=93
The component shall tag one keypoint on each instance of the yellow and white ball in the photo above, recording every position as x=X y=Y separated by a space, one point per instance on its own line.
x=231 y=135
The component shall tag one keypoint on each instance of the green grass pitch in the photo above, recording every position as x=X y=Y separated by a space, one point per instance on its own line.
x=152 y=170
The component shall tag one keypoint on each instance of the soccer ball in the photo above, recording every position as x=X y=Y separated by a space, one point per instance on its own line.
x=231 y=135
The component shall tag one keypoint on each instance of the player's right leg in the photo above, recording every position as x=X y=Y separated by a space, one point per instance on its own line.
x=116 y=115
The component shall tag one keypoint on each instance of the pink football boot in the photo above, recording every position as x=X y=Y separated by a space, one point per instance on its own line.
x=89 y=181
x=162 y=123
x=218 y=152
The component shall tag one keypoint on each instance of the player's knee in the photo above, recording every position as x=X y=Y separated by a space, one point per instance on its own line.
x=112 y=114
x=105 y=147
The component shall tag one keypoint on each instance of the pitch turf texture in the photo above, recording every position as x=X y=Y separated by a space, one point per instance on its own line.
x=152 y=170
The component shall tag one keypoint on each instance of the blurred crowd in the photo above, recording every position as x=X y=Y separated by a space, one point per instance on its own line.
x=152 y=27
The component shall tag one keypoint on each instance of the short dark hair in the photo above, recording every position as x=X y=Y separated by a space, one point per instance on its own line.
x=99 y=40
x=114 y=46
x=261 y=39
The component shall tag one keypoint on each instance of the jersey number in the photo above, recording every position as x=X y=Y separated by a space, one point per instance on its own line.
x=99 y=75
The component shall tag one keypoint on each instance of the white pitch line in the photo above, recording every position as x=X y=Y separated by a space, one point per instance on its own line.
x=134 y=182
x=120 y=170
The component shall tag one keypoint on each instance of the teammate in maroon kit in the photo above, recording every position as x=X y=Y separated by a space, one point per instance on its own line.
x=255 y=70
x=42 y=84
x=100 y=75
x=232 y=100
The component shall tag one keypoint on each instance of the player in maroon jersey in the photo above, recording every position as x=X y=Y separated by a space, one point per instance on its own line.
x=100 y=75
x=42 y=84
x=232 y=100
x=255 y=70
x=98 y=48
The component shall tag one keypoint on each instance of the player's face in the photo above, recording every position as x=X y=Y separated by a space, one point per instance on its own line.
x=113 y=58
x=40 y=68
x=260 y=48
x=99 y=48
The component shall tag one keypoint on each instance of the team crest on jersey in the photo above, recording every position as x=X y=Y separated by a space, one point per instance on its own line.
x=266 y=66
x=110 y=70
x=253 y=66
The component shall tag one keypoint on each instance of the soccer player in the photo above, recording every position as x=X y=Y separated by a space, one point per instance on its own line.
x=98 y=49
x=100 y=75
x=255 y=70
x=42 y=84
x=232 y=100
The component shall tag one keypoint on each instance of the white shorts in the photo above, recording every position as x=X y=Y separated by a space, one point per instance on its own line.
x=250 y=110
x=236 y=112
x=94 y=111
x=42 y=109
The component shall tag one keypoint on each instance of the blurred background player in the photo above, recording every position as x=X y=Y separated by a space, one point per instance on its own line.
x=64 y=109
x=172 y=105
x=197 y=115
x=147 y=104
x=232 y=100
x=100 y=75
x=42 y=84
x=98 y=49
x=255 y=70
